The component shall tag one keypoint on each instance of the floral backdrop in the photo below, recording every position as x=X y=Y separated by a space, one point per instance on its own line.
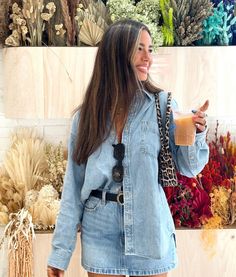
x=209 y=200
x=83 y=22
x=31 y=178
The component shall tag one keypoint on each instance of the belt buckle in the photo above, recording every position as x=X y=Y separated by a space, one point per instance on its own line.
x=120 y=198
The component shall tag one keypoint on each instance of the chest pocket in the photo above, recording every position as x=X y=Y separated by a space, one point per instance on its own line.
x=150 y=139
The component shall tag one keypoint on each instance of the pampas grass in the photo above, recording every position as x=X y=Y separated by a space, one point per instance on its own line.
x=25 y=161
x=32 y=174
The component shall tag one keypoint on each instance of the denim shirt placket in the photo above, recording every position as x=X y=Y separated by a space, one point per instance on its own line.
x=127 y=188
x=127 y=185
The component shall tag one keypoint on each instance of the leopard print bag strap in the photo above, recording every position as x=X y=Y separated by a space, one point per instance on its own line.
x=167 y=170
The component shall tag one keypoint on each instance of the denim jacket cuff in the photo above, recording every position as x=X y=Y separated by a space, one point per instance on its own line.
x=60 y=259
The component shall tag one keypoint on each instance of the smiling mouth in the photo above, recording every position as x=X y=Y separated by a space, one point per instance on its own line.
x=143 y=69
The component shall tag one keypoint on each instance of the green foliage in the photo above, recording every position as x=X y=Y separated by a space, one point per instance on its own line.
x=146 y=11
x=149 y=9
x=168 y=26
x=121 y=9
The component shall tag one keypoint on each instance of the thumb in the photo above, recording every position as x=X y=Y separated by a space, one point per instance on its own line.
x=205 y=106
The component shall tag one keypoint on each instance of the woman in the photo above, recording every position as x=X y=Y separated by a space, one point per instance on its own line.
x=111 y=190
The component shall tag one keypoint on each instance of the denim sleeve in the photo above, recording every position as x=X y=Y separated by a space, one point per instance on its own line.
x=189 y=160
x=71 y=208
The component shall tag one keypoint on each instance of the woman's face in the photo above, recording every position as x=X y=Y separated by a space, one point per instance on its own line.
x=143 y=56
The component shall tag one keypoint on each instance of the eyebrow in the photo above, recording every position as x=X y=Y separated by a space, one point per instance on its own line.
x=150 y=46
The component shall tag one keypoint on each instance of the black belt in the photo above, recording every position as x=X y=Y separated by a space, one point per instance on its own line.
x=119 y=197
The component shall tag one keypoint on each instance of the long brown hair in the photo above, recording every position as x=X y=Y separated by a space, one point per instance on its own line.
x=113 y=85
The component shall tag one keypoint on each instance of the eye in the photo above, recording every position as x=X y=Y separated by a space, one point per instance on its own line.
x=150 y=50
x=140 y=48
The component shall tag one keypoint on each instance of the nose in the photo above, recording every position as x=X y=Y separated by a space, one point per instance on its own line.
x=146 y=55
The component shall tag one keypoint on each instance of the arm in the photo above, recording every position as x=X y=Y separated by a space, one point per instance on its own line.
x=71 y=209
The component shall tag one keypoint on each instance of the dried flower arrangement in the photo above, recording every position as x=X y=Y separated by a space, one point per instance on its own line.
x=209 y=200
x=83 y=22
x=28 y=22
x=31 y=180
x=188 y=19
x=4 y=8
x=58 y=23
x=168 y=25
x=146 y=11
x=218 y=28
x=92 y=20
x=32 y=177
x=20 y=234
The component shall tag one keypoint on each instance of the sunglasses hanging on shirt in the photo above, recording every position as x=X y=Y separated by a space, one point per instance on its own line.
x=118 y=169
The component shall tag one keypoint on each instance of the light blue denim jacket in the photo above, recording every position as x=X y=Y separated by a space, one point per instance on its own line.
x=148 y=222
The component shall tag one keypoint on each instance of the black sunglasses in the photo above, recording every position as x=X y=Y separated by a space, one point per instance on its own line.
x=118 y=169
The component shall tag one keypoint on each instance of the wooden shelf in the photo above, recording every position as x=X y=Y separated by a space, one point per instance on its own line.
x=194 y=259
x=49 y=82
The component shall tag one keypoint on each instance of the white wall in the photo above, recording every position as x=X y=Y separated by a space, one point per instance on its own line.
x=57 y=130
x=53 y=130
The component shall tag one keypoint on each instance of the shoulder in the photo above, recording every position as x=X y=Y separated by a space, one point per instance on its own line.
x=163 y=100
x=75 y=122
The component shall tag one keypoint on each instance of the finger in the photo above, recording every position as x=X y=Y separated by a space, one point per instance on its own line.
x=205 y=106
x=53 y=272
x=200 y=114
x=199 y=120
x=200 y=128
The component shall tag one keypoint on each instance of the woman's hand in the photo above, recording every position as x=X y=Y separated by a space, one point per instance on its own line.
x=54 y=272
x=199 y=117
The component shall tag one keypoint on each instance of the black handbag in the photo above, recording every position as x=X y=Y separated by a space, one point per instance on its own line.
x=167 y=170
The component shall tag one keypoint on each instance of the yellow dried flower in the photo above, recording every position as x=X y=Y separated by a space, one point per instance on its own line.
x=15 y=34
x=15 y=8
x=58 y=27
x=15 y=18
x=20 y=21
x=51 y=7
x=46 y=16
x=220 y=204
x=59 y=30
x=24 y=30
x=215 y=222
x=12 y=41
